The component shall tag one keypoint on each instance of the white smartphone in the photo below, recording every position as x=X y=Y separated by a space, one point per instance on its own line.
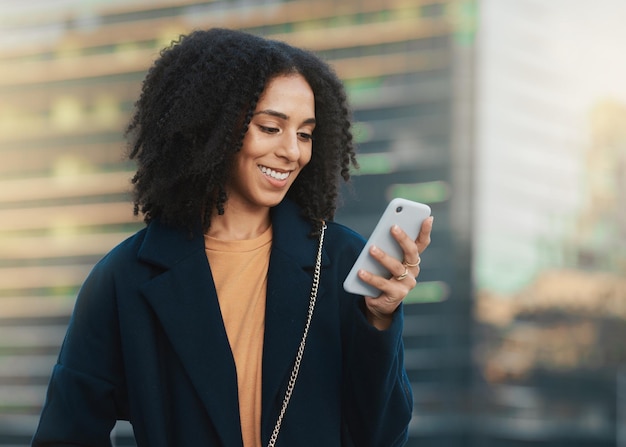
x=409 y=216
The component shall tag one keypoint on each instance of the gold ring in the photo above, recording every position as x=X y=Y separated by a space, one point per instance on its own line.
x=404 y=275
x=413 y=265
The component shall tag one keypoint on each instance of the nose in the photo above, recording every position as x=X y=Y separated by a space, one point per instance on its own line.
x=289 y=147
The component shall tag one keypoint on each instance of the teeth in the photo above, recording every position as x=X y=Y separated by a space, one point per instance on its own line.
x=277 y=175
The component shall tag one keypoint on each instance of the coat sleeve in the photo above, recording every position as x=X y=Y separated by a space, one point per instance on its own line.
x=377 y=393
x=377 y=396
x=84 y=397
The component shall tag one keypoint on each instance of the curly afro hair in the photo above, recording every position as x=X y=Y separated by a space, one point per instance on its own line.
x=195 y=107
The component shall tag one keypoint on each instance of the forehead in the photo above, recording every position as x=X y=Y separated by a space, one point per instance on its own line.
x=286 y=89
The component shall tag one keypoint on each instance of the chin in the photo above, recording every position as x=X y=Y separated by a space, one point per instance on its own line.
x=271 y=201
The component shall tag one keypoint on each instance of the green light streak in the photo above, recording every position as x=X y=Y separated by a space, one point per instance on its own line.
x=427 y=292
x=427 y=192
x=372 y=164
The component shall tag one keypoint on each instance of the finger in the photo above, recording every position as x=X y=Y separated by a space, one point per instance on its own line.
x=392 y=290
x=411 y=256
x=382 y=306
x=423 y=238
x=408 y=245
x=392 y=293
x=393 y=265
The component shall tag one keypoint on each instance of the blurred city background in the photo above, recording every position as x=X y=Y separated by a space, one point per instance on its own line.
x=506 y=116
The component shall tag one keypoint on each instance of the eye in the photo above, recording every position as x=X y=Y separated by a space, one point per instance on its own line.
x=305 y=136
x=268 y=129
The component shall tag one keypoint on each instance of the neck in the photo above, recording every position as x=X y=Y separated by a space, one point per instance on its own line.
x=239 y=224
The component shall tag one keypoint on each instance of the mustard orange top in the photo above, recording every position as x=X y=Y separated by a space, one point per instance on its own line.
x=239 y=270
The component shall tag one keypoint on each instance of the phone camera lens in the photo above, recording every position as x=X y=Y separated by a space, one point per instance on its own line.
x=398 y=209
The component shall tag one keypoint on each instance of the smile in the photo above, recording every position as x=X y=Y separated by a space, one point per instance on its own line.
x=274 y=174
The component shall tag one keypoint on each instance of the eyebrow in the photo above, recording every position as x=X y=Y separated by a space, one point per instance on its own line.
x=282 y=115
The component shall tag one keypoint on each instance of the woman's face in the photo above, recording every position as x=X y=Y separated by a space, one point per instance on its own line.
x=277 y=145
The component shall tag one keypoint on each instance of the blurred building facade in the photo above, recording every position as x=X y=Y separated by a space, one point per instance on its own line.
x=550 y=277
x=551 y=356
x=529 y=140
x=68 y=83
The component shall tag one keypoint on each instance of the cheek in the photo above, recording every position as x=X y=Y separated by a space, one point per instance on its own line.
x=305 y=156
x=248 y=145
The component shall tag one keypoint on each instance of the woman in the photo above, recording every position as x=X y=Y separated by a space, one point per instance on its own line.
x=240 y=144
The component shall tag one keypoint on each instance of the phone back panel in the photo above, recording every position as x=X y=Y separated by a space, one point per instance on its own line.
x=409 y=216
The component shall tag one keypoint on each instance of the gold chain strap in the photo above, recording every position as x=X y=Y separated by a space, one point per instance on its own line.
x=296 y=365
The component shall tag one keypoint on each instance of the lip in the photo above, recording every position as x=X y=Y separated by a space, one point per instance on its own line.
x=278 y=182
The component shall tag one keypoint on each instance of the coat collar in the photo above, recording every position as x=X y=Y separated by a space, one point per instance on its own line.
x=184 y=299
x=165 y=246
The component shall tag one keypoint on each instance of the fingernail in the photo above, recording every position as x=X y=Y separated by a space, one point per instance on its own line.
x=395 y=229
x=374 y=249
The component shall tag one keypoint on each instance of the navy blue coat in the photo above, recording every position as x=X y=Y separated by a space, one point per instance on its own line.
x=146 y=343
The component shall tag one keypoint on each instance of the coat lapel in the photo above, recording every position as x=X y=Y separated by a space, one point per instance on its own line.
x=184 y=300
x=290 y=278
